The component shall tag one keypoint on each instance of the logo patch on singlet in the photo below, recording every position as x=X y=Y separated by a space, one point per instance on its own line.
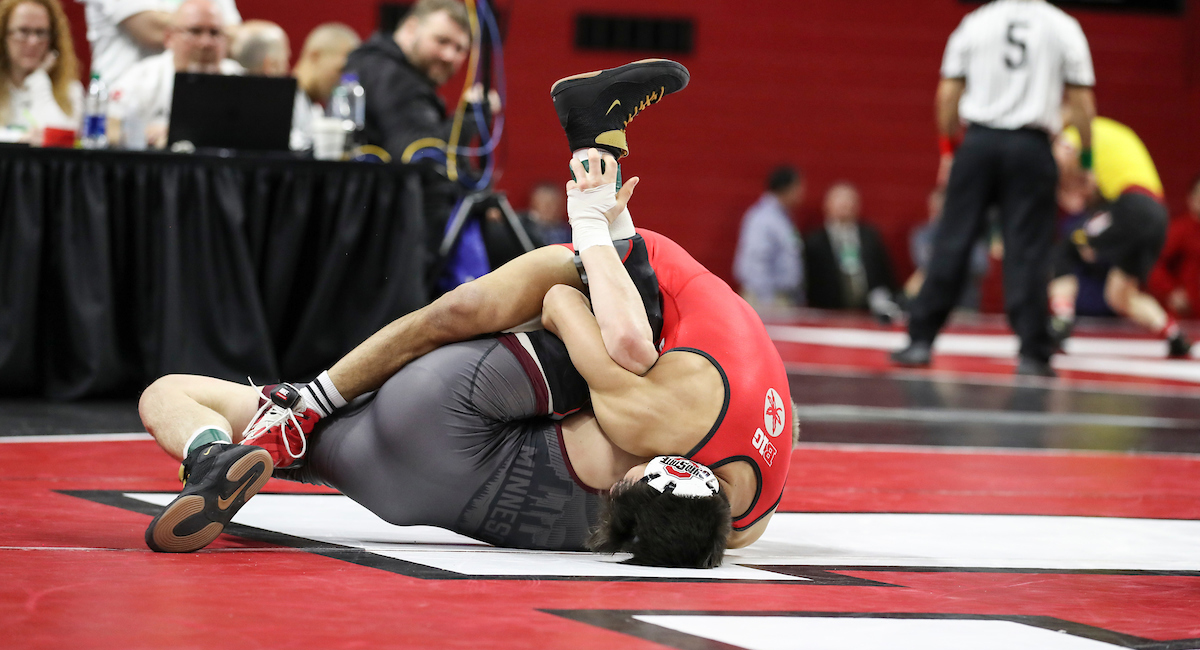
x=765 y=449
x=774 y=415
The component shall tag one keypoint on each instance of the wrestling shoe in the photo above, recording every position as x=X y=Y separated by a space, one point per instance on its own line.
x=218 y=480
x=281 y=425
x=1179 y=347
x=595 y=107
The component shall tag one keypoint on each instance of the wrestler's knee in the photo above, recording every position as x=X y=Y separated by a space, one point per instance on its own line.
x=465 y=311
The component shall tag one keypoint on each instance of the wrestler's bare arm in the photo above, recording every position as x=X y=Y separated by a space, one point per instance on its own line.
x=618 y=307
x=666 y=411
x=506 y=298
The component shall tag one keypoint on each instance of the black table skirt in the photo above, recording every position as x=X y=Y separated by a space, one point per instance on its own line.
x=117 y=268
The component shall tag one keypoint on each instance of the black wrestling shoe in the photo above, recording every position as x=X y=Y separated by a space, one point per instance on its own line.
x=916 y=355
x=218 y=480
x=1179 y=347
x=595 y=107
x=1031 y=367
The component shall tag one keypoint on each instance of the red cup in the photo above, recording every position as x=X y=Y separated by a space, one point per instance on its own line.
x=55 y=137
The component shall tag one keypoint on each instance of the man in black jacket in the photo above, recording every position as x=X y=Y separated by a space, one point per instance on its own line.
x=845 y=261
x=400 y=74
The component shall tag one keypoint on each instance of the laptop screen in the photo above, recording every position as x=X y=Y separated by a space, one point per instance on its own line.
x=229 y=112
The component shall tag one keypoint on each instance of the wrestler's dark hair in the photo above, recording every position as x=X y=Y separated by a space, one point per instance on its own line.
x=662 y=529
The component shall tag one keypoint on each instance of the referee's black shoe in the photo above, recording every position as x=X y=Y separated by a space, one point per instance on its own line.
x=218 y=479
x=595 y=107
x=1179 y=346
x=918 y=354
x=1031 y=367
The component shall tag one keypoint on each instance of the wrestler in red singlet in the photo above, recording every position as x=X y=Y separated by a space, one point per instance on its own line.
x=702 y=314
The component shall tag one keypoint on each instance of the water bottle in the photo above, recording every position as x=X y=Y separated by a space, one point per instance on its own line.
x=348 y=103
x=95 y=115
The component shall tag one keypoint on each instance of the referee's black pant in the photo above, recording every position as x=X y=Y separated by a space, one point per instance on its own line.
x=1015 y=170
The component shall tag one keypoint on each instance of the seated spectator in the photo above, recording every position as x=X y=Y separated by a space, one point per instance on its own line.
x=769 y=262
x=921 y=249
x=546 y=218
x=846 y=264
x=123 y=32
x=401 y=73
x=318 y=69
x=196 y=42
x=39 y=86
x=1175 y=280
x=262 y=48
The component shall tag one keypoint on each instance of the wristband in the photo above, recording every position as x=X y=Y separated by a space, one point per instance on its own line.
x=585 y=212
x=947 y=145
x=1085 y=159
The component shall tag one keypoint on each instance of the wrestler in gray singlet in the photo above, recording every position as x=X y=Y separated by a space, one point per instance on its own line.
x=463 y=437
x=457 y=439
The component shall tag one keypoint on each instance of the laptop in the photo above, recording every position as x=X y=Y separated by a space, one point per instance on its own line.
x=228 y=112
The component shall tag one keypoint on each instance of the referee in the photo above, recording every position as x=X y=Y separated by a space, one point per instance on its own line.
x=1008 y=69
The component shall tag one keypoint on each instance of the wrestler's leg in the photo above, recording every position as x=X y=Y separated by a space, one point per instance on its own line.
x=503 y=299
x=218 y=478
x=176 y=406
x=1122 y=294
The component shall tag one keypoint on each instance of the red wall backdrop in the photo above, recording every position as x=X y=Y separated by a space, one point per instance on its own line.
x=843 y=89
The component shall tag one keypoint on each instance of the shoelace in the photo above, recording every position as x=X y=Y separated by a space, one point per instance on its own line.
x=275 y=415
x=652 y=98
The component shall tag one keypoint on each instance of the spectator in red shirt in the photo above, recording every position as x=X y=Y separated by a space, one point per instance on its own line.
x=1175 y=280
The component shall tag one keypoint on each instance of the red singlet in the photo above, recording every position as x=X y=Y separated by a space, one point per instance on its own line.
x=701 y=314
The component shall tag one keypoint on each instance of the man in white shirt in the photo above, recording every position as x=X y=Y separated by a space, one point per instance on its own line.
x=1007 y=72
x=196 y=43
x=123 y=32
x=318 y=69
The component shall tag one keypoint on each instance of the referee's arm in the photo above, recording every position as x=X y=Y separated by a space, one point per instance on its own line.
x=949 y=91
x=1079 y=109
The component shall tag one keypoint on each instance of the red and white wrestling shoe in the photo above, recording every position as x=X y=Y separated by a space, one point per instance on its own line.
x=281 y=425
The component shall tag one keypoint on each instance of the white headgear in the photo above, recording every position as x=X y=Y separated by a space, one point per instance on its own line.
x=682 y=477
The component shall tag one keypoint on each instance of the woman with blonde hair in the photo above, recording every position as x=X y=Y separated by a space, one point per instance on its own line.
x=39 y=84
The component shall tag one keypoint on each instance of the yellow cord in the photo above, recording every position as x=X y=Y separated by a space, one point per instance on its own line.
x=412 y=149
x=456 y=130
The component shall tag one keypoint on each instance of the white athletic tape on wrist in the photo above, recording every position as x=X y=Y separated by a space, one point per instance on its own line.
x=681 y=477
x=622 y=226
x=585 y=212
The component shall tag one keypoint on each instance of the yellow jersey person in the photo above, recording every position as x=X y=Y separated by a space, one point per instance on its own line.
x=1125 y=230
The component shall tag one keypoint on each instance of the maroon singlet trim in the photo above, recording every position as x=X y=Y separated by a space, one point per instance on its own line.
x=540 y=390
x=562 y=447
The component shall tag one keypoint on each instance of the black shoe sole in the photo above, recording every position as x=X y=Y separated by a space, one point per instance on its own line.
x=199 y=515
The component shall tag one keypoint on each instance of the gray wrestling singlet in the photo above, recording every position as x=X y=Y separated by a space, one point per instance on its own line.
x=455 y=440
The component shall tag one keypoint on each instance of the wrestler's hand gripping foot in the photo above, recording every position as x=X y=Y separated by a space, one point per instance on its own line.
x=218 y=480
